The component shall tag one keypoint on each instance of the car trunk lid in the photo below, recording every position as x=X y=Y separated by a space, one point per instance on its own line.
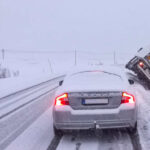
x=95 y=100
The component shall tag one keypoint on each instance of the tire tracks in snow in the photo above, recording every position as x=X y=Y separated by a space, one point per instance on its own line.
x=135 y=141
x=105 y=139
x=54 y=143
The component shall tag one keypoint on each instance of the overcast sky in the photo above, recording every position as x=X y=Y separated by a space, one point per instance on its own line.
x=101 y=25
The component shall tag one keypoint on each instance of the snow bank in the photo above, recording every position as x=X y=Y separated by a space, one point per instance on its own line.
x=12 y=85
x=143 y=116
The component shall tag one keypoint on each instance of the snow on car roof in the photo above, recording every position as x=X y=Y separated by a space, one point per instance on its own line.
x=109 y=69
x=94 y=82
x=80 y=79
x=95 y=71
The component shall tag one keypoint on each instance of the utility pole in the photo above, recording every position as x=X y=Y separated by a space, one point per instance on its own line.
x=115 y=58
x=75 y=58
x=3 y=54
x=50 y=66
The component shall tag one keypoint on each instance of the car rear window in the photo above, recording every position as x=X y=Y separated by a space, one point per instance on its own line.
x=98 y=76
x=95 y=73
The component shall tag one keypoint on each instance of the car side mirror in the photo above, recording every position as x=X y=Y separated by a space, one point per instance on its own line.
x=131 y=81
x=60 y=83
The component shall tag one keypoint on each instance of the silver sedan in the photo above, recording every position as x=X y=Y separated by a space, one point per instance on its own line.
x=94 y=99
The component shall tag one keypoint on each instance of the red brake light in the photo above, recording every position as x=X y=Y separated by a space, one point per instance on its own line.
x=141 y=64
x=62 y=100
x=127 y=98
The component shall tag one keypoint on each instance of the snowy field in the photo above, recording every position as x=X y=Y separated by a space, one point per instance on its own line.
x=58 y=61
x=35 y=67
x=12 y=85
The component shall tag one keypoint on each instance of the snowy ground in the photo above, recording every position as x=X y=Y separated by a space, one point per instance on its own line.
x=37 y=136
x=35 y=67
x=12 y=85
x=45 y=62
x=108 y=140
x=144 y=116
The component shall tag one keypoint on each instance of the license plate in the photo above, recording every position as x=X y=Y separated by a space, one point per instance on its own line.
x=95 y=101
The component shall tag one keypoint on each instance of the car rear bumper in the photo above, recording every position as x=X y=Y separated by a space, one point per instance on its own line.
x=92 y=125
x=67 y=118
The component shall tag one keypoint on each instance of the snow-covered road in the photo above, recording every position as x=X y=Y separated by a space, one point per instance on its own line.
x=40 y=135
x=19 y=111
x=107 y=140
x=37 y=136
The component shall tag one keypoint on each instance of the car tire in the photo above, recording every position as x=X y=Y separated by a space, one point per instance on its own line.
x=133 y=130
x=57 y=132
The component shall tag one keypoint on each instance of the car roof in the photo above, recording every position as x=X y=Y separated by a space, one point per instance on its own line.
x=119 y=71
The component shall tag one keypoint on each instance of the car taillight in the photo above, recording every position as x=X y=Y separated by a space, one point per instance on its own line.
x=127 y=98
x=62 y=100
x=141 y=64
